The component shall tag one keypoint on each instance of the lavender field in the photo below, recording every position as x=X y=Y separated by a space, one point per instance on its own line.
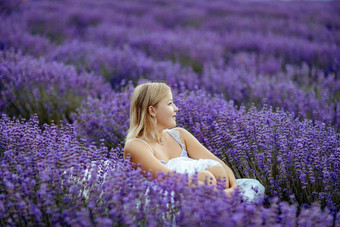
x=256 y=82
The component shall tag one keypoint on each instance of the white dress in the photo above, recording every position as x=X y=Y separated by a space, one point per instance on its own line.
x=251 y=189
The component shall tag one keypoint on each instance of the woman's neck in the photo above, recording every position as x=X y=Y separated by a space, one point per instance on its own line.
x=158 y=137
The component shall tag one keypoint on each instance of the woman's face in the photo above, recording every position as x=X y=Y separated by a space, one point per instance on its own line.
x=166 y=112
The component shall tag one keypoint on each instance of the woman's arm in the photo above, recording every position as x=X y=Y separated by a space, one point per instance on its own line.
x=141 y=155
x=197 y=151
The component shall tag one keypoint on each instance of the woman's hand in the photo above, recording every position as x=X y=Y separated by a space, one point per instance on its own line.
x=194 y=182
x=230 y=192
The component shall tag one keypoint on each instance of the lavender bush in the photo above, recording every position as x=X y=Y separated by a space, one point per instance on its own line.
x=8 y=6
x=118 y=65
x=33 y=177
x=51 y=90
x=316 y=102
x=15 y=37
x=53 y=179
x=105 y=120
x=190 y=47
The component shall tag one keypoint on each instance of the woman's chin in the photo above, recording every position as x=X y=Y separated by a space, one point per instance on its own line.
x=173 y=125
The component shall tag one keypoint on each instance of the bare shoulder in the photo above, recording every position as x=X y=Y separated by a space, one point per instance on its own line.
x=182 y=131
x=134 y=147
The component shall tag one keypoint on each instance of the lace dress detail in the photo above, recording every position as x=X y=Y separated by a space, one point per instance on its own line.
x=175 y=135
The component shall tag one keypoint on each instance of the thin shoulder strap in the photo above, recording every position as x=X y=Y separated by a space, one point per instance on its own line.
x=175 y=135
x=145 y=143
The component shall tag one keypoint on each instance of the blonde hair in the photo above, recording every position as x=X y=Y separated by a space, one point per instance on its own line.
x=141 y=122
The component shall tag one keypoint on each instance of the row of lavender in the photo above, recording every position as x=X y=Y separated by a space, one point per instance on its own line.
x=249 y=52
x=236 y=84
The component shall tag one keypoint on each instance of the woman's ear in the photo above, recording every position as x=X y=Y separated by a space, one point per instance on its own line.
x=151 y=111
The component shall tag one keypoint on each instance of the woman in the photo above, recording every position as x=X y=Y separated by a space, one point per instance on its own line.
x=155 y=144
